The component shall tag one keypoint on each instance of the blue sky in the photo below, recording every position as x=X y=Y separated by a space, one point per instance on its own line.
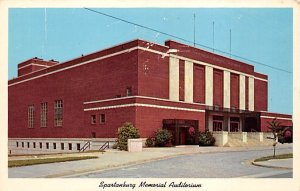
x=263 y=35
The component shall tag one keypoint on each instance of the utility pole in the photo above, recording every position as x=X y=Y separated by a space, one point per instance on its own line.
x=213 y=36
x=194 y=30
x=230 y=43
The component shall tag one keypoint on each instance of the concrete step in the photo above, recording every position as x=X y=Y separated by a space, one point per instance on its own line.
x=250 y=143
x=235 y=143
x=187 y=146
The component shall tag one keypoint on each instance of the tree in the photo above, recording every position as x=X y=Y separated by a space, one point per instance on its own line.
x=276 y=129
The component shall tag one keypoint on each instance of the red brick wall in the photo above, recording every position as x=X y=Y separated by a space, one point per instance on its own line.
x=199 y=83
x=218 y=87
x=234 y=90
x=25 y=70
x=204 y=56
x=260 y=95
x=153 y=75
x=98 y=80
x=264 y=123
x=148 y=120
x=181 y=80
x=115 y=118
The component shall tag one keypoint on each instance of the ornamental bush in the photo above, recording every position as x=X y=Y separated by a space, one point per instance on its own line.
x=162 y=137
x=127 y=131
x=150 y=142
x=206 y=139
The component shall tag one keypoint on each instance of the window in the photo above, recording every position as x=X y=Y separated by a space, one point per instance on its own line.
x=128 y=91
x=62 y=146
x=34 y=145
x=70 y=146
x=47 y=145
x=93 y=119
x=30 y=116
x=44 y=114
x=28 y=144
x=102 y=118
x=54 y=145
x=58 y=113
x=22 y=144
x=78 y=146
x=41 y=145
x=17 y=144
x=218 y=123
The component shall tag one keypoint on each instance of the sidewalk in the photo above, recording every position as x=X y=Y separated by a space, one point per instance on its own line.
x=110 y=159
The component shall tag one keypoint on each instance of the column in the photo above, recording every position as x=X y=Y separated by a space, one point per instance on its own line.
x=226 y=87
x=210 y=123
x=188 y=81
x=251 y=93
x=174 y=79
x=242 y=92
x=208 y=85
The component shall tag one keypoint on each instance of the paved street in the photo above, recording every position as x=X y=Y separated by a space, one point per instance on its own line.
x=201 y=165
x=157 y=162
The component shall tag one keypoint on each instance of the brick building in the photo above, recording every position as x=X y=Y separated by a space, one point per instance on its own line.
x=173 y=86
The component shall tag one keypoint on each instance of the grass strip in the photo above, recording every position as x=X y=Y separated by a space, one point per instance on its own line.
x=282 y=156
x=27 y=162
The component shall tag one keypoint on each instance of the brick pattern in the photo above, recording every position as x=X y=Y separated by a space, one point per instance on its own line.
x=218 y=88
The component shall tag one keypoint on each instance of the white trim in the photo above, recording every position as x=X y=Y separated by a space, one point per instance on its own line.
x=188 y=82
x=34 y=65
x=269 y=117
x=226 y=89
x=93 y=60
x=251 y=94
x=209 y=85
x=242 y=93
x=174 y=79
x=217 y=67
x=128 y=97
x=143 y=105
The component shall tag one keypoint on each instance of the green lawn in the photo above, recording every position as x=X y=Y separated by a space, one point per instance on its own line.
x=27 y=162
x=283 y=156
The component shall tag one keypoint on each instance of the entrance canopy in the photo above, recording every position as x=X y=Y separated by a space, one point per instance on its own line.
x=231 y=120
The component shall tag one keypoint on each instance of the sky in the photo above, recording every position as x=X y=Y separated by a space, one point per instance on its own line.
x=259 y=34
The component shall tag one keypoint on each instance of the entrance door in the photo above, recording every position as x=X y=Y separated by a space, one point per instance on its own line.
x=217 y=125
x=182 y=136
x=234 y=126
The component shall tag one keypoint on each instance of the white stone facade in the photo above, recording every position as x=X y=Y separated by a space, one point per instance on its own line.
x=17 y=146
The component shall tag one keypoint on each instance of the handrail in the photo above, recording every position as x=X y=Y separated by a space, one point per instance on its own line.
x=85 y=146
x=104 y=146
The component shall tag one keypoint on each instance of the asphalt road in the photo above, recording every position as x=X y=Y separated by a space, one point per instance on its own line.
x=203 y=165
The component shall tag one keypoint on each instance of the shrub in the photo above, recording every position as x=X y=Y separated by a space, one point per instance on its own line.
x=150 y=142
x=115 y=146
x=127 y=131
x=162 y=137
x=206 y=139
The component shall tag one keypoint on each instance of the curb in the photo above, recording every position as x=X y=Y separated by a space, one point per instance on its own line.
x=270 y=166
